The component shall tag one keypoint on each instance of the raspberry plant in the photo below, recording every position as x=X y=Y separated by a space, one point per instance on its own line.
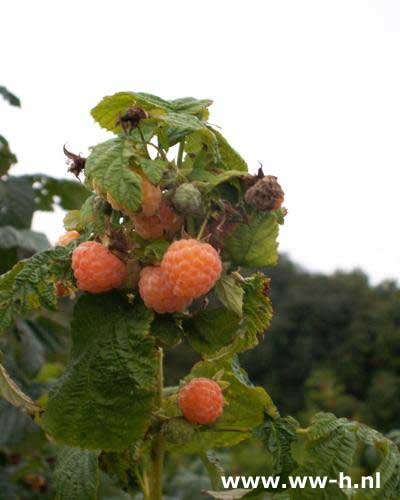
x=160 y=252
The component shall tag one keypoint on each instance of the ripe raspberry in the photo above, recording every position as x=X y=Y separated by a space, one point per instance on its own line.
x=266 y=194
x=151 y=198
x=201 y=401
x=164 y=224
x=66 y=238
x=191 y=267
x=157 y=293
x=96 y=269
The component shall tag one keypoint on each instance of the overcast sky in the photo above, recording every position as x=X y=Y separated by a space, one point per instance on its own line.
x=309 y=88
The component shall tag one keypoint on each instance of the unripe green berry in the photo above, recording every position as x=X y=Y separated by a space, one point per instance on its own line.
x=187 y=199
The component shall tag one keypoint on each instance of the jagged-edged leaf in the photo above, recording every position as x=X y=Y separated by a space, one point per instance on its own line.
x=72 y=221
x=190 y=104
x=244 y=409
x=277 y=435
x=166 y=330
x=25 y=239
x=10 y=391
x=104 y=399
x=257 y=315
x=92 y=216
x=7 y=157
x=107 y=112
x=211 y=329
x=254 y=244
x=230 y=293
x=76 y=475
x=16 y=202
x=107 y=170
x=209 y=179
x=30 y=284
x=230 y=158
x=154 y=169
x=50 y=192
x=9 y=96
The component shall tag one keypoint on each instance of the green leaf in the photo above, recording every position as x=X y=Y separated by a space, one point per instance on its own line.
x=50 y=192
x=31 y=283
x=107 y=170
x=105 y=397
x=76 y=475
x=213 y=467
x=9 y=97
x=254 y=244
x=244 y=409
x=106 y=113
x=156 y=250
x=211 y=179
x=17 y=203
x=190 y=104
x=230 y=294
x=154 y=169
x=92 y=216
x=230 y=159
x=257 y=315
x=277 y=435
x=7 y=158
x=10 y=391
x=228 y=495
x=166 y=330
x=211 y=329
x=72 y=221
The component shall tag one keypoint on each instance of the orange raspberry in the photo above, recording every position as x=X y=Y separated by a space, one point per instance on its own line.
x=96 y=269
x=191 y=267
x=157 y=293
x=171 y=221
x=151 y=198
x=66 y=238
x=201 y=401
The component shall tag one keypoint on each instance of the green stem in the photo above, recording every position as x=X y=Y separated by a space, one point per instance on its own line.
x=180 y=153
x=203 y=226
x=158 y=448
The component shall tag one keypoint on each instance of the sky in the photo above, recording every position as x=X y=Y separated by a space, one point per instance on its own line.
x=311 y=89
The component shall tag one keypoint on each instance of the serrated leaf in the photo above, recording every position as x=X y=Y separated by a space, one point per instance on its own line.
x=153 y=169
x=72 y=221
x=30 y=284
x=16 y=202
x=211 y=329
x=230 y=158
x=10 y=391
x=277 y=435
x=76 y=475
x=190 y=104
x=254 y=244
x=104 y=399
x=107 y=170
x=92 y=217
x=166 y=330
x=245 y=408
x=230 y=294
x=257 y=315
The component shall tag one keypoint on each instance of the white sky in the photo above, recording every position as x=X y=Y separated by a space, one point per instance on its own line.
x=310 y=88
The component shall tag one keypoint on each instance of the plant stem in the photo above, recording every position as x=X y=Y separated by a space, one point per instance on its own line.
x=180 y=153
x=158 y=448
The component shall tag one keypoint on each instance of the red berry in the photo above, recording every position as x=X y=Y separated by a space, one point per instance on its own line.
x=191 y=267
x=96 y=269
x=201 y=401
x=157 y=293
x=66 y=238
